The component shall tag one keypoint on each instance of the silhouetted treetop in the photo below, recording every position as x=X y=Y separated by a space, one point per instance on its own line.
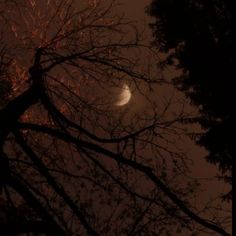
x=198 y=34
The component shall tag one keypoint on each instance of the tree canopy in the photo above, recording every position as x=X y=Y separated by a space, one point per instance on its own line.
x=198 y=37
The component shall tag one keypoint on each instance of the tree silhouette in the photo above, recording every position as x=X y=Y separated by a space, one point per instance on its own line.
x=198 y=35
x=71 y=163
x=6 y=86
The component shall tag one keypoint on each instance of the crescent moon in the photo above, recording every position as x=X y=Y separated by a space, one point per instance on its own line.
x=124 y=96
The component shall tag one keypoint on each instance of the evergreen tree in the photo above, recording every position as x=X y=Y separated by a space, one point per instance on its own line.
x=198 y=35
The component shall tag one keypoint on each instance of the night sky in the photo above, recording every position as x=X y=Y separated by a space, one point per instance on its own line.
x=201 y=169
x=90 y=101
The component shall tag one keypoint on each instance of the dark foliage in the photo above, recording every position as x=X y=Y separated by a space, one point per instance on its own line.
x=200 y=32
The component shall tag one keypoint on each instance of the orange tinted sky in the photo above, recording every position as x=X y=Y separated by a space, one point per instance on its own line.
x=135 y=10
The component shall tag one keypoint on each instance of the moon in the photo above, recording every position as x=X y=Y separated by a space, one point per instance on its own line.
x=124 y=96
